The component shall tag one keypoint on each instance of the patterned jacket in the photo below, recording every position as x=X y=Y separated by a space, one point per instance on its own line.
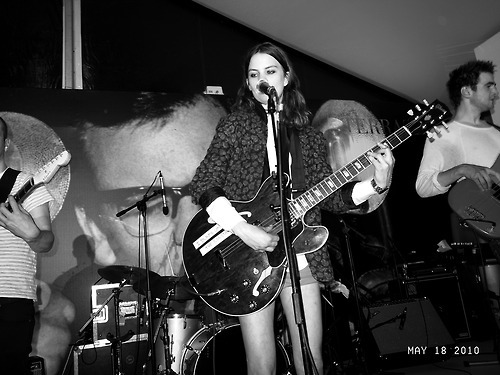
x=234 y=164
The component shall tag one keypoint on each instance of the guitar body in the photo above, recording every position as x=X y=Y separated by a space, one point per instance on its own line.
x=231 y=277
x=479 y=209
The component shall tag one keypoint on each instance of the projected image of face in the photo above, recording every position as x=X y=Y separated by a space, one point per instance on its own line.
x=125 y=159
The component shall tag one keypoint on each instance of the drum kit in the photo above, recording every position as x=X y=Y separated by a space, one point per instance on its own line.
x=183 y=344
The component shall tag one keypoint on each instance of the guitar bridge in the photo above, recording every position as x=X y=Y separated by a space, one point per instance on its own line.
x=276 y=210
x=222 y=260
x=473 y=213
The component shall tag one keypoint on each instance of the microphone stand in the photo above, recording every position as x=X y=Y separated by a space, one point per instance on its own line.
x=142 y=207
x=283 y=190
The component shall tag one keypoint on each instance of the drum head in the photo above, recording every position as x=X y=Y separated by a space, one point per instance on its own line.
x=223 y=353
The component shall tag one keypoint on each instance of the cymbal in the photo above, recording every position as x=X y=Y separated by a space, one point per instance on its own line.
x=164 y=285
x=117 y=274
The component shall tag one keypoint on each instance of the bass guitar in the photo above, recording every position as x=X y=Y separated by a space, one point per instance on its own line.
x=478 y=209
x=236 y=280
x=42 y=176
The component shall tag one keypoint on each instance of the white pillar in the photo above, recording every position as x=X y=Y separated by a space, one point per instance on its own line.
x=72 y=45
x=490 y=50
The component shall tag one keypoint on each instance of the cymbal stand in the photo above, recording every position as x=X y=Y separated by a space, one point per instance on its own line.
x=116 y=341
x=114 y=294
x=142 y=208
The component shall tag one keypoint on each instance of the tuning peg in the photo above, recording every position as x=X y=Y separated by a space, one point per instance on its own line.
x=430 y=135
x=410 y=112
x=426 y=102
x=417 y=107
x=445 y=125
x=437 y=131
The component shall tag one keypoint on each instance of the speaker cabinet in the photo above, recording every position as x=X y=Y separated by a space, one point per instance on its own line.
x=97 y=358
x=406 y=331
x=445 y=294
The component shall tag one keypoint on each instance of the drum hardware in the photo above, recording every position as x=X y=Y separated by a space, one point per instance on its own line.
x=171 y=333
x=162 y=324
x=116 y=343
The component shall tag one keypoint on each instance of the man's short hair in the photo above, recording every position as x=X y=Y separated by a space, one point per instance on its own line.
x=467 y=75
x=4 y=129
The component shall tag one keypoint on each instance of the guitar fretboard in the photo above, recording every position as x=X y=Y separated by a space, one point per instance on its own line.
x=303 y=203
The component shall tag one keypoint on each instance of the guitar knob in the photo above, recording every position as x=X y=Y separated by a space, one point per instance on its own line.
x=252 y=305
x=234 y=298
x=264 y=289
x=246 y=283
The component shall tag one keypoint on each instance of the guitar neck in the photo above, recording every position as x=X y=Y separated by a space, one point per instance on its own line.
x=319 y=192
x=24 y=190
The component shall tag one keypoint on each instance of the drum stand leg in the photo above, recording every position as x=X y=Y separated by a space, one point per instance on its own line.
x=165 y=338
x=163 y=326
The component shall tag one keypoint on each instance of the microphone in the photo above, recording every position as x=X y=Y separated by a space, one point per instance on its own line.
x=265 y=88
x=403 y=319
x=163 y=195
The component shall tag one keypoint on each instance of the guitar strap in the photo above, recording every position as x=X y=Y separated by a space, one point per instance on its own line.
x=7 y=182
x=298 y=178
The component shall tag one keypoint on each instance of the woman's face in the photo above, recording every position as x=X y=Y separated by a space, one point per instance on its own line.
x=264 y=67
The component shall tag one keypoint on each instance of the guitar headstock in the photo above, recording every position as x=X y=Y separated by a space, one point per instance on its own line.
x=429 y=118
x=48 y=171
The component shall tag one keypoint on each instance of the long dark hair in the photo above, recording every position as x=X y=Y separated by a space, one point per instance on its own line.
x=295 y=112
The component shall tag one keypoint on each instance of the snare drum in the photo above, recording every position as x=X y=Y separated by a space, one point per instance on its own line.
x=180 y=329
x=223 y=353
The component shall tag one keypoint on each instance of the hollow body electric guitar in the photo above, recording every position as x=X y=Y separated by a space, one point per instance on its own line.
x=478 y=209
x=236 y=280
x=42 y=175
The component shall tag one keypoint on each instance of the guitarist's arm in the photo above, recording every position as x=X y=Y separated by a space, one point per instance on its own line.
x=482 y=176
x=35 y=227
x=223 y=213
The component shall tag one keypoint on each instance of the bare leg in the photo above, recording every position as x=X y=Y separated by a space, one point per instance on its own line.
x=259 y=341
x=311 y=297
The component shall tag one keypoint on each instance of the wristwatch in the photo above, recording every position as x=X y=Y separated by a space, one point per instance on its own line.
x=377 y=188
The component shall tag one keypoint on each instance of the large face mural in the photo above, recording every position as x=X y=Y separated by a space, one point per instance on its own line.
x=120 y=143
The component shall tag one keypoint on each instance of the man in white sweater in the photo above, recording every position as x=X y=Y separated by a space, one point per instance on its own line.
x=471 y=145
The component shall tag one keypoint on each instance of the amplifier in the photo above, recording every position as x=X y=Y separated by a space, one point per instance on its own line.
x=444 y=292
x=406 y=331
x=131 y=315
x=97 y=358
